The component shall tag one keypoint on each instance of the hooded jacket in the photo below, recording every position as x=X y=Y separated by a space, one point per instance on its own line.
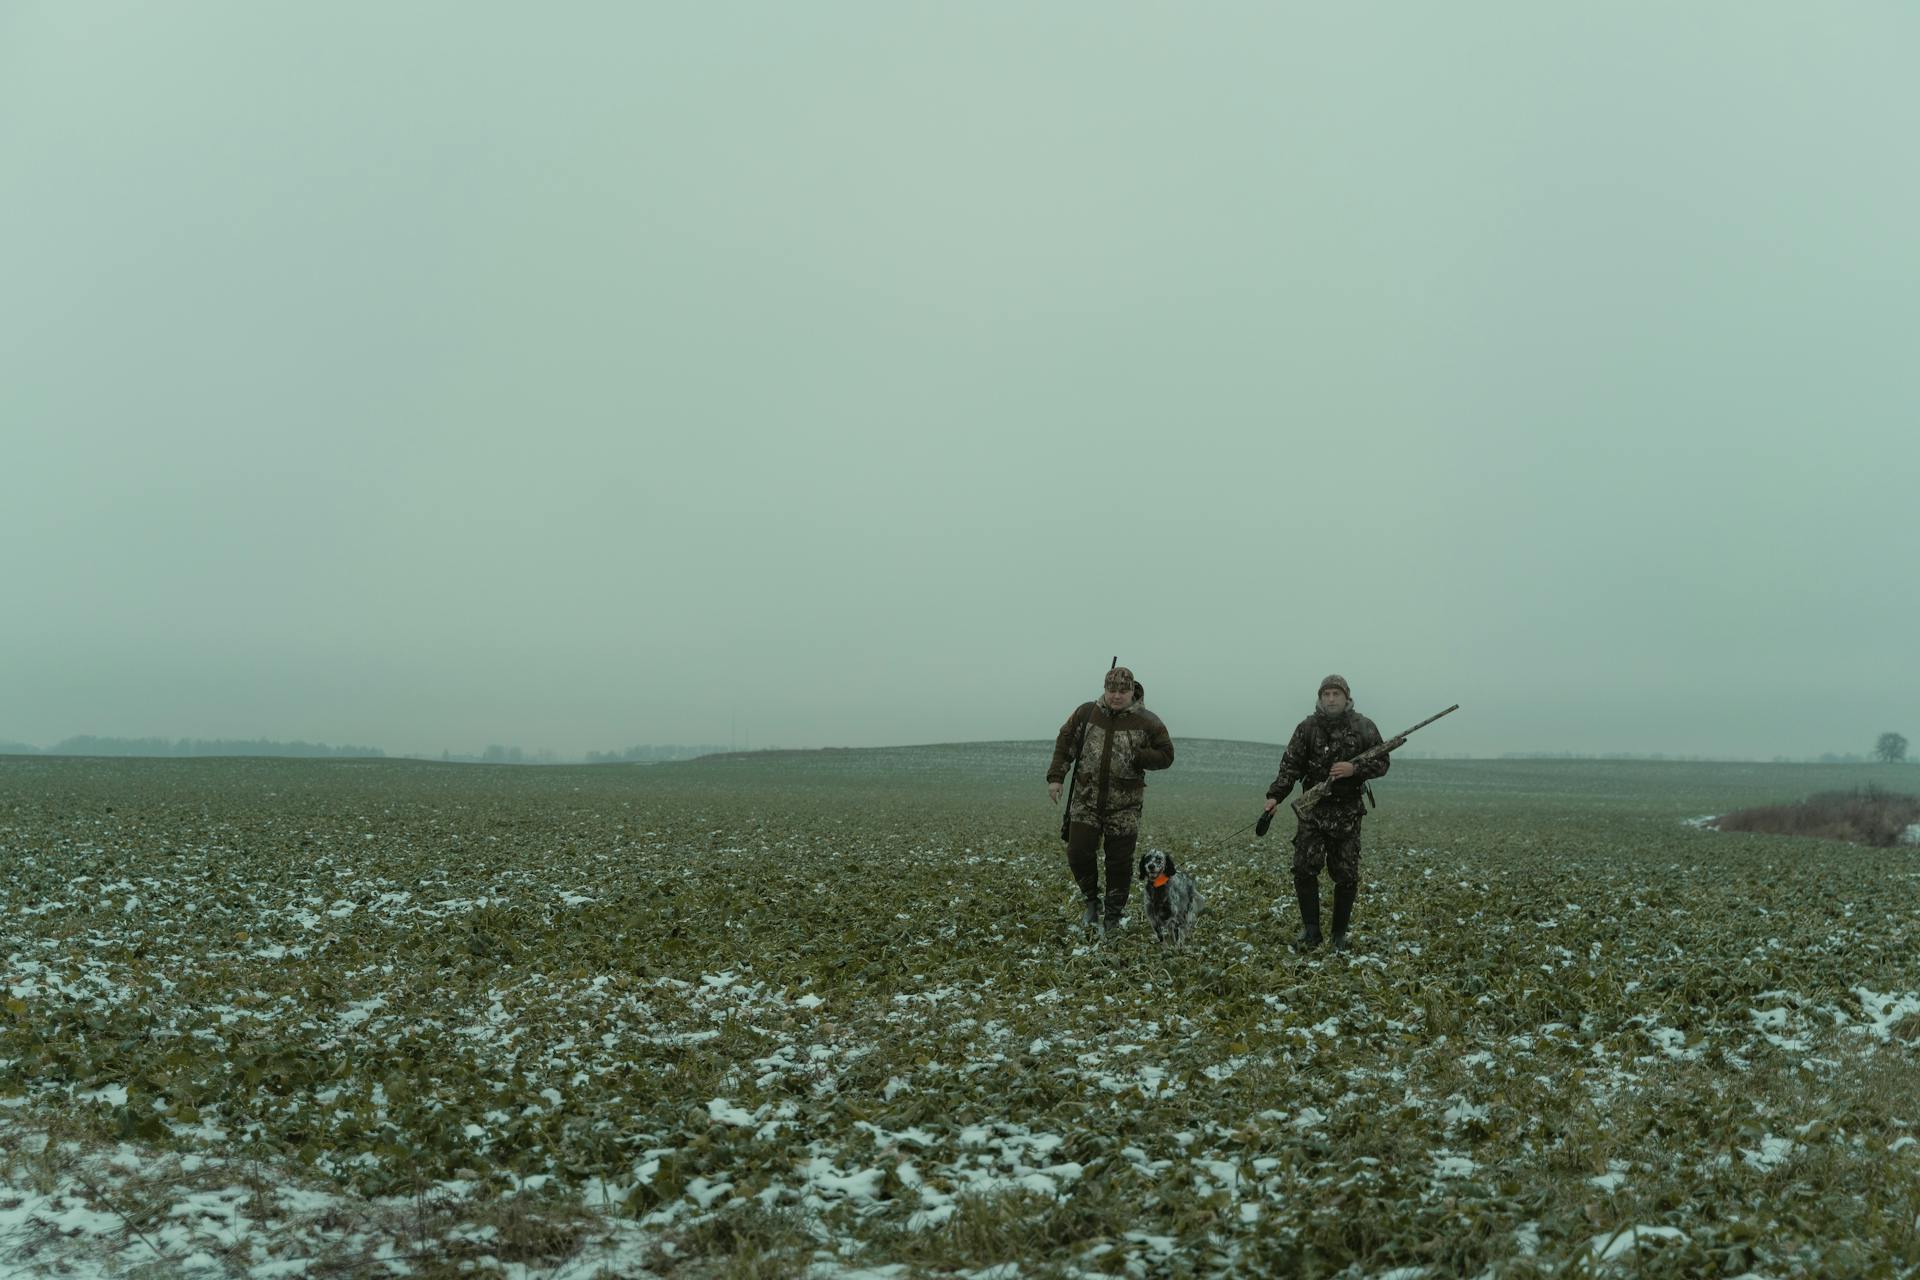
x=1121 y=747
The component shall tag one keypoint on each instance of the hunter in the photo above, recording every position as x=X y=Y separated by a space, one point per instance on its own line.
x=1323 y=747
x=1110 y=744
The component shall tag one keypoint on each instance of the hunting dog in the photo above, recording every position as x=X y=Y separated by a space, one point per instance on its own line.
x=1173 y=903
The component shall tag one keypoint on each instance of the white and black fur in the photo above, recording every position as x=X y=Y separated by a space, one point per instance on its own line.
x=1172 y=907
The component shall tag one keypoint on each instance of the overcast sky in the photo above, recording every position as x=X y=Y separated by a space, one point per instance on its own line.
x=427 y=375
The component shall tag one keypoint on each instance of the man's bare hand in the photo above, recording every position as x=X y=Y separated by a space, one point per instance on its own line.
x=1053 y=792
x=1272 y=804
x=1342 y=770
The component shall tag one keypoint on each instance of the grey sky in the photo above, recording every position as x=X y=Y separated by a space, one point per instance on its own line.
x=430 y=375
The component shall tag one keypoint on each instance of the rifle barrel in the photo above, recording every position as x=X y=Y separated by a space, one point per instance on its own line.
x=1424 y=723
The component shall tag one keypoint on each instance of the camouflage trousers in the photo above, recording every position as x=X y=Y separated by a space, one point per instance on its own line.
x=1335 y=848
x=1115 y=822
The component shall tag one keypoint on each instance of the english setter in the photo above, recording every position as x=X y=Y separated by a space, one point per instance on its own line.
x=1172 y=902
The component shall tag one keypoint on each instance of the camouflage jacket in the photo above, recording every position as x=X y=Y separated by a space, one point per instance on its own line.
x=1120 y=747
x=1316 y=746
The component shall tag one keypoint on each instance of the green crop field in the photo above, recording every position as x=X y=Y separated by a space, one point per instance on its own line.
x=830 y=1013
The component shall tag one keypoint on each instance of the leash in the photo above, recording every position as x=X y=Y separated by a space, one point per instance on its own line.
x=1214 y=845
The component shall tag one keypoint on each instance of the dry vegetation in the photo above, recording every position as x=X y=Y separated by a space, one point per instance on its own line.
x=1865 y=815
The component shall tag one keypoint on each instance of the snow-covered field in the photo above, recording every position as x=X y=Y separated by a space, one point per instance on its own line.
x=800 y=1015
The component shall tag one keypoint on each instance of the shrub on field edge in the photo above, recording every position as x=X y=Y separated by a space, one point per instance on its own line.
x=1866 y=815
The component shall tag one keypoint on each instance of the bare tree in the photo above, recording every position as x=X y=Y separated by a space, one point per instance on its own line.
x=1891 y=749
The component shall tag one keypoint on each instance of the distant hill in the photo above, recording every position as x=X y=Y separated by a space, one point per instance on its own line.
x=87 y=744
x=1212 y=759
x=1212 y=767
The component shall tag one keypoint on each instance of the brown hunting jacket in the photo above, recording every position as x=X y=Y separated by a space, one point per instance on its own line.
x=1318 y=744
x=1120 y=747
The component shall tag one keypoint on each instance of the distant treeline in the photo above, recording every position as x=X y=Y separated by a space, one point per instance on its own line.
x=497 y=754
x=1608 y=755
x=1826 y=758
x=672 y=751
x=87 y=744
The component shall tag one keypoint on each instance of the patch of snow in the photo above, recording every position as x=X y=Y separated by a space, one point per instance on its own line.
x=1611 y=1246
x=914 y=1137
x=1224 y=1172
x=704 y=1193
x=723 y=1112
x=359 y=1011
x=1673 y=1042
x=1151 y=1081
x=1884 y=1011
x=1159 y=1246
x=861 y=1184
x=1771 y=1153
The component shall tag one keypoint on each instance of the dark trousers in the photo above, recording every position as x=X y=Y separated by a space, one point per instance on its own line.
x=1083 y=844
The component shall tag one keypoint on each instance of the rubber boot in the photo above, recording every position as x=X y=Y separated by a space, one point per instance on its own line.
x=1116 y=903
x=1307 y=890
x=1086 y=874
x=1343 y=896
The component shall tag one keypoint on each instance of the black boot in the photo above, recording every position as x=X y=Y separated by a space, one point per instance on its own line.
x=1343 y=895
x=1092 y=917
x=1307 y=890
x=1116 y=903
